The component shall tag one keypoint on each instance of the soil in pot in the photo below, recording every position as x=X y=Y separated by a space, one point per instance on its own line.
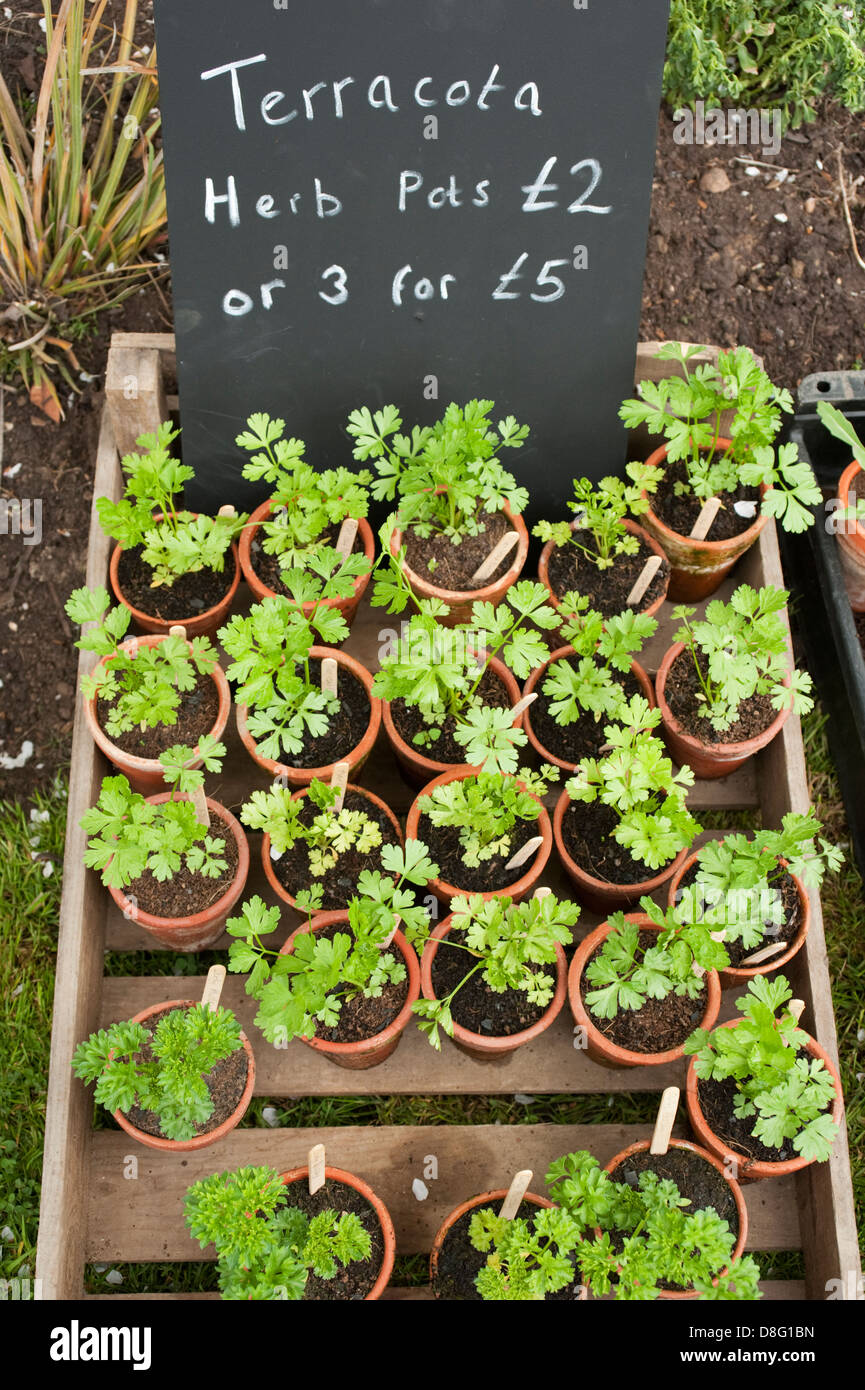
x=454 y=565
x=680 y=513
x=225 y=1082
x=681 y=691
x=354 y=1280
x=196 y=715
x=346 y=727
x=408 y=722
x=459 y=1263
x=267 y=566
x=585 y=737
x=607 y=589
x=489 y=876
x=859 y=620
x=189 y=595
x=716 y=1099
x=792 y=908
x=340 y=882
x=587 y=832
x=660 y=1025
x=361 y=1018
x=477 y=1007
x=186 y=893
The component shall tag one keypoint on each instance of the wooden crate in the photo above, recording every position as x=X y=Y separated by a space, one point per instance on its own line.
x=92 y=1210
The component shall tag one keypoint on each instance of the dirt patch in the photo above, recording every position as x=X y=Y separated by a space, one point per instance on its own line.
x=681 y=512
x=476 y=1006
x=189 y=596
x=196 y=716
x=339 y=883
x=660 y=1025
x=607 y=589
x=454 y=565
x=681 y=691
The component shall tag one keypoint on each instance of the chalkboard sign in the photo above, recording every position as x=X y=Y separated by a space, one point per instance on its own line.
x=408 y=201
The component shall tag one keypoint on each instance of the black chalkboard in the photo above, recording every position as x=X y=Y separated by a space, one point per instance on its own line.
x=523 y=142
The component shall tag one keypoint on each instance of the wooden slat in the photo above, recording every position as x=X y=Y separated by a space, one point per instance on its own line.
x=134 y=394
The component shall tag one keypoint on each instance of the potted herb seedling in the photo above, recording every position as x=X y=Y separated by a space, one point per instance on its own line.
x=586 y=683
x=851 y=512
x=489 y=831
x=169 y=565
x=639 y=984
x=493 y=972
x=755 y=889
x=344 y=982
x=323 y=834
x=624 y=813
x=279 y=1237
x=742 y=476
x=301 y=708
x=146 y=691
x=602 y=553
x=308 y=511
x=763 y=1095
x=457 y=527
x=726 y=686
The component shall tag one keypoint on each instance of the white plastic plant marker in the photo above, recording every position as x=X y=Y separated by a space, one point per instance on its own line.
x=177 y=630
x=213 y=987
x=522 y=705
x=345 y=539
x=329 y=675
x=522 y=855
x=703 y=524
x=643 y=580
x=315 y=1161
x=515 y=1194
x=495 y=557
x=665 y=1120
x=765 y=952
x=338 y=779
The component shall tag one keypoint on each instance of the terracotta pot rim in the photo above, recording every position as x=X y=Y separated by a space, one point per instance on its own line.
x=719 y=752
x=489 y=591
x=483 y=1199
x=633 y=528
x=385 y=1221
x=633 y=890
x=845 y=492
x=200 y=619
x=533 y=683
x=745 y=538
x=263 y=590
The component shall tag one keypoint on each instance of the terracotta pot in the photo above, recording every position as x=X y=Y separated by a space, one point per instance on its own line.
x=368 y=1052
x=741 y=1209
x=631 y=526
x=746 y=1169
x=596 y=893
x=698 y=566
x=378 y=1206
x=851 y=543
x=202 y=929
x=302 y=776
x=737 y=976
x=419 y=768
x=708 y=760
x=346 y=606
x=270 y=873
x=201 y=624
x=599 y=1047
x=145 y=775
x=529 y=874
x=459 y=601
x=484 y=1199
x=535 y=682
x=485 y=1046
x=200 y=1141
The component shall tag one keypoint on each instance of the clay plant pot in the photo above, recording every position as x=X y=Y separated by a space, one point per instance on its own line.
x=145 y=775
x=633 y=529
x=199 y=1141
x=378 y=1206
x=459 y=601
x=741 y=1209
x=368 y=1052
x=202 y=929
x=599 y=1047
x=484 y=1199
x=199 y=624
x=531 y=873
x=416 y=766
x=851 y=542
x=302 y=776
x=708 y=760
x=746 y=1169
x=481 y=1045
x=535 y=681
x=698 y=566
x=346 y=606
x=738 y=976
x=596 y=893
x=270 y=874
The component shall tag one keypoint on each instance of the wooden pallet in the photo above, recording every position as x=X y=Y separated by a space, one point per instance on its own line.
x=93 y=1211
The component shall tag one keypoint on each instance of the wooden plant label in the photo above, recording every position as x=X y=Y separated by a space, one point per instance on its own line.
x=795 y=1008
x=700 y=970
x=316 y=1162
x=522 y=705
x=345 y=539
x=383 y=945
x=542 y=893
x=643 y=580
x=199 y=801
x=665 y=1120
x=177 y=630
x=522 y=855
x=495 y=557
x=516 y=1192
x=329 y=676
x=708 y=512
x=213 y=987
x=227 y=510
x=338 y=779
x=765 y=952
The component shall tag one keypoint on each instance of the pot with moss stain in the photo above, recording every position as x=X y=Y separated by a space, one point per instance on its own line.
x=146 y=775
x=633 y=530
x=851 y=543
x=355 y=757
x=647 y=690
x=484 y=1199
x=601 y=1048
x=378 y=1206
x=366 y=1052
x=198 y=625
x=200 y=929
x=598 y=894
x=346 y=606
x=199 y=1141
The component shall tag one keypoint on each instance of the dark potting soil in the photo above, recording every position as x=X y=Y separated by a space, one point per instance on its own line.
x=716 y=1102
x=455 y=564
x=361 y=1018
x=681 y=691
x=196 y=715
x=607 y=589
x=189 y=596
x=353 y=1280
x=340 y=882
x=267 y=566
x=587 y=831
x=346 y=728
x=186 y=893
x=476 y=1006
x=446 y=851
x=661 y=1024
x=680 y=513
x=786 y=886
x=225 y=1082
x=445 y=749
x=582 y=739
x=459 y=1263
x=859 y=620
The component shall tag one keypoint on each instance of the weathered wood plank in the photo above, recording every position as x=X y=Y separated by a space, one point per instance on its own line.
x=134 y=394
